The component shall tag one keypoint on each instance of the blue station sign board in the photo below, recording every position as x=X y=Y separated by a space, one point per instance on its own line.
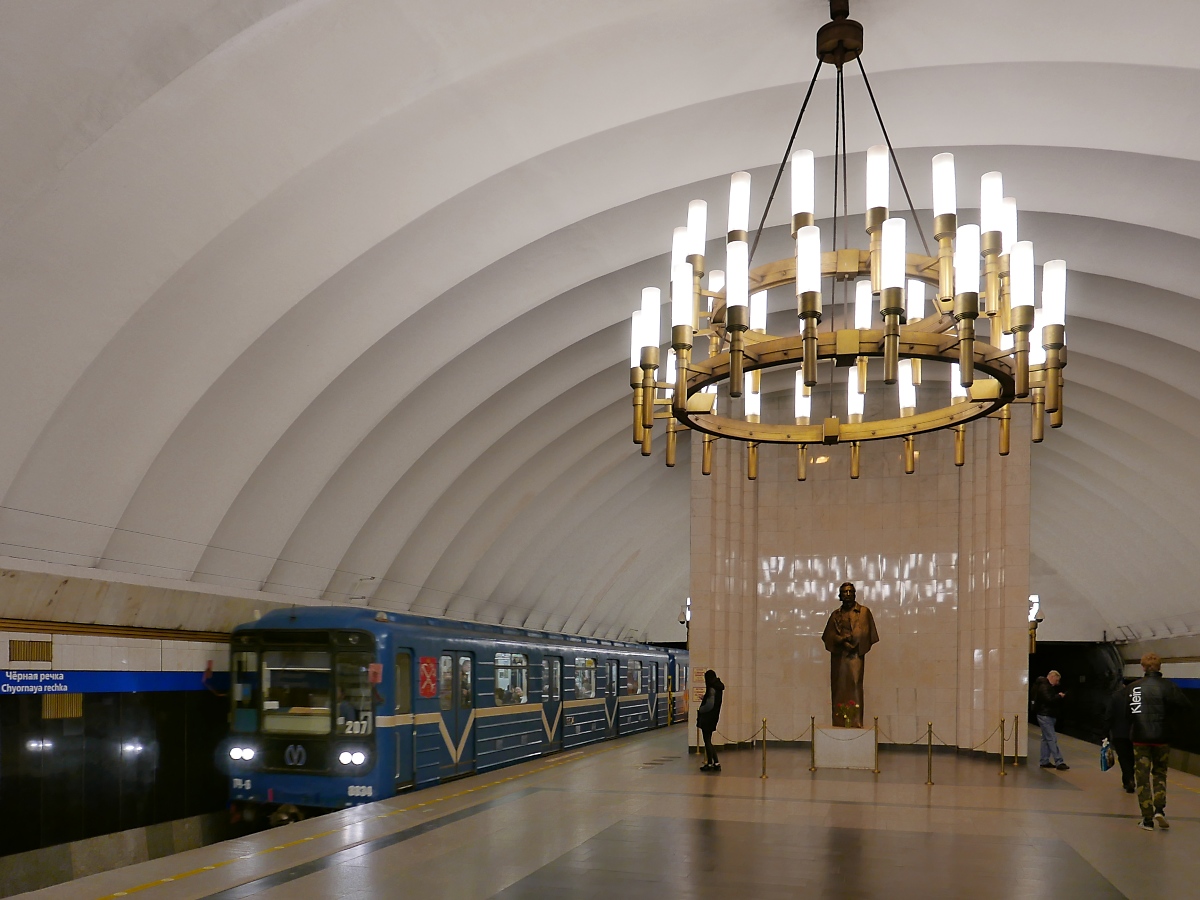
x=56 y=681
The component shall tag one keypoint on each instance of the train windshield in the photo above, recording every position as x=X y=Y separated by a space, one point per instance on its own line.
x=297 y=692
x=354 y=693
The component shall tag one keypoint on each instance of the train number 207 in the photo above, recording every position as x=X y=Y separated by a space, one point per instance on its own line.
x=360 y=790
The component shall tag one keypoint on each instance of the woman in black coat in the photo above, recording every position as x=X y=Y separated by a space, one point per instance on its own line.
x=707 y=717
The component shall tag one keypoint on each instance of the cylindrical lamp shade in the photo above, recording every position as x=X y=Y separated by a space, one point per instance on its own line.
x=1008 y=224
x=753 y=402
x=758 y=311
x=862 y=304
x=905 y=387
x=915 y=300
x=966 y=260
x=737 y=273
x=697 y=227
x=739 y=201
x=1021 y=272
x=878 y=176
x=803 y=399
x=716 y=281
x=945 y=200
x=808 y=259
x=635 y=340
x=668 y=372
x=681 y=294
x=855 y=398
x=679 y=249
x=892 y=263
x=991 y=201
x=651 y=312
x=956 y=388
x=1037 y=353
x=1054 y=292
x=803 y=192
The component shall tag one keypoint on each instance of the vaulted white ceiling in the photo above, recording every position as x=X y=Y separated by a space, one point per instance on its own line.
x=299 y=293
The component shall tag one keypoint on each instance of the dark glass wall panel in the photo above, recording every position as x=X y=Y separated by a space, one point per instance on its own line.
x=132 y=760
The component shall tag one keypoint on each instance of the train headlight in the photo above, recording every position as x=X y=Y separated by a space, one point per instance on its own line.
x=352 y=757
x=241 y=753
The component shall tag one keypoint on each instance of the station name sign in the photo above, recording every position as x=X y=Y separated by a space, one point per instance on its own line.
x=51 y=681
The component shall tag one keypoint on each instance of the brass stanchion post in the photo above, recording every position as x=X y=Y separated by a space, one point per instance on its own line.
x=1016 y=742
x=764 y=766
x=812 y=747
x=929 y=756
x=876 y=745
x=1002 y=772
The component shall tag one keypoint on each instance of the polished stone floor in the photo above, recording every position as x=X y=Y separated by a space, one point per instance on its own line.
x=635 y=819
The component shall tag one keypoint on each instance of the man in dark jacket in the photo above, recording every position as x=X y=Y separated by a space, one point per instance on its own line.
x=1118 y=732
x=707 y=716
x=1047 y=705
x=1154 y=702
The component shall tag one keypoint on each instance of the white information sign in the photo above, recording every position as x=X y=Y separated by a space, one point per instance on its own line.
x=845 y=748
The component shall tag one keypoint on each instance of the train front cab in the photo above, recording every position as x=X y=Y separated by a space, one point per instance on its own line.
x=305 y=722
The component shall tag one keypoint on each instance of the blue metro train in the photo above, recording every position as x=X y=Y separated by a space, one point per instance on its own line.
x=335 y=706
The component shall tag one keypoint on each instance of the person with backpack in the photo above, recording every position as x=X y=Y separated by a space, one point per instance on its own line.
x=707 y=717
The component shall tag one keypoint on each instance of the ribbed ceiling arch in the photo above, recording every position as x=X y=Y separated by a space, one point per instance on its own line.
x=330 y=299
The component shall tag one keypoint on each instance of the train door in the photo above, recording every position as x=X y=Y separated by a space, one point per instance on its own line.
x=552 y=700
x=612 y=698
x=404 y=730
x=456 y=687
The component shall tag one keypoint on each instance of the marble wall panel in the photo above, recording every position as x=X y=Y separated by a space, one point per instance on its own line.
x=940 y=557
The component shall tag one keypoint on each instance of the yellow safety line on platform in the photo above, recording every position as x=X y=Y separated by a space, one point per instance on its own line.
x=570 y=757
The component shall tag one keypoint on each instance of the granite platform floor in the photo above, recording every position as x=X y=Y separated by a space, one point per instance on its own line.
x=634 y=819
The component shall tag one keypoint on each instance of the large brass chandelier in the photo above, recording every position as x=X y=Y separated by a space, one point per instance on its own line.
x=981 y=282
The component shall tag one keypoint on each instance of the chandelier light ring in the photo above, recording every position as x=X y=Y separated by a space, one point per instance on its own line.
x=985 y=397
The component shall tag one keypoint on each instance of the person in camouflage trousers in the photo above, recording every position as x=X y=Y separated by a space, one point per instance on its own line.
x=1150 y=777
x=1154 y=703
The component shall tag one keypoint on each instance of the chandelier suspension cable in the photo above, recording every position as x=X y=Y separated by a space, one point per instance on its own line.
x=887 y=140
x=786 y=153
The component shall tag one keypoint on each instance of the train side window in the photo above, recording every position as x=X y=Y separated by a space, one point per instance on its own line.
x=554 y=690
x=512 y=679
x=633 y=678
x=614 y=676
x=244 y=666
x=403 y=683
x=466 y=683
x=585 y=678
x=446 y=681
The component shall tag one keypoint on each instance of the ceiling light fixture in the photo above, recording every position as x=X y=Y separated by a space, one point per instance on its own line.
x=981 y=277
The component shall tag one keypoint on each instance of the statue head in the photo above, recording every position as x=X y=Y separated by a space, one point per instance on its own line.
x=846 y=594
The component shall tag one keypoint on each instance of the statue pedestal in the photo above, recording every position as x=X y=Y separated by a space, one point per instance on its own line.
x=844 y=748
